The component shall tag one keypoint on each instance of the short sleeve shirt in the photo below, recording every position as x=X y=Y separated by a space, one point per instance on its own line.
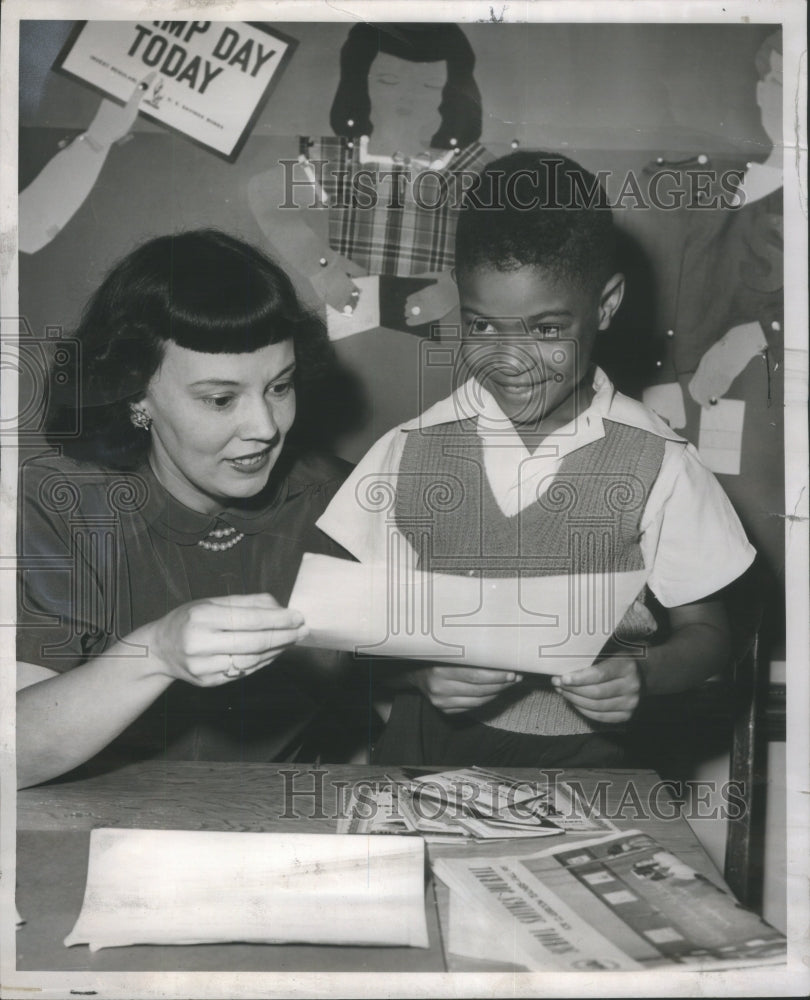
x=692 y=542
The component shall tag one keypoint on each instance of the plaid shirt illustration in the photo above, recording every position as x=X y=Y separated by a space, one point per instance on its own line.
x=392 y=220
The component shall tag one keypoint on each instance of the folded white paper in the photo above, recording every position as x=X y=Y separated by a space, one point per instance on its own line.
x=541 y=625
x=184 y=887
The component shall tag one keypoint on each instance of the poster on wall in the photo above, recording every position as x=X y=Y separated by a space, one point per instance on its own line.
x=206 y=79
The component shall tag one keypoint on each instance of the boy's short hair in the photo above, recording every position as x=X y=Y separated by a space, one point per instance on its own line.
x=542 y=210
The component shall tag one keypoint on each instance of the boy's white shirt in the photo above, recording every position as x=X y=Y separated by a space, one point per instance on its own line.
x=692 y=542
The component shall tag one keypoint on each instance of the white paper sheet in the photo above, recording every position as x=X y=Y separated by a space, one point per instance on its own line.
x=720 y=442
x=542 y=625
x=366 y=315
x=184 y=887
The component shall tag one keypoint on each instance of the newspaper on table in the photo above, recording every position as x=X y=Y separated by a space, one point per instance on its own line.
x=622 y=902
x=469 y=804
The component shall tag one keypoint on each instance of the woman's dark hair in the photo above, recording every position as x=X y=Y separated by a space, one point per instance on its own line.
x=202 y=290
x=460 y=108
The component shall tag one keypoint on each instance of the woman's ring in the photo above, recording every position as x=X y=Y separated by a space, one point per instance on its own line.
x=233 y=671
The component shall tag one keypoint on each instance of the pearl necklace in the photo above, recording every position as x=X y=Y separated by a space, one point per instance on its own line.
x=233 y=538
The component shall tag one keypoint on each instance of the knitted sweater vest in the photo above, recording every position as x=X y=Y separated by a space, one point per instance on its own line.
x=586 y=521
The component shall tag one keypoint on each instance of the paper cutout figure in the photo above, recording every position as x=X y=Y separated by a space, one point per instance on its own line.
x=60 y=189
x=718 y=273
x=407 y=116
x=724 y=361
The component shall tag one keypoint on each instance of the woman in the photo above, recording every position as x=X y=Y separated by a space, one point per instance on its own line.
x=161 y=544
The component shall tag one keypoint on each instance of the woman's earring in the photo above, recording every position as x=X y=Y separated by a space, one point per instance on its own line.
x=140 y=418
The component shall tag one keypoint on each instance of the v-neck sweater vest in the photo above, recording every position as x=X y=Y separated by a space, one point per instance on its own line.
x=587 y=520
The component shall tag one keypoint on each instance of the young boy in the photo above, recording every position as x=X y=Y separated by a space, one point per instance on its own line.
x=545 y=469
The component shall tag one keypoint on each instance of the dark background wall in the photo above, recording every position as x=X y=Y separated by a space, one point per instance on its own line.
x=612 y=96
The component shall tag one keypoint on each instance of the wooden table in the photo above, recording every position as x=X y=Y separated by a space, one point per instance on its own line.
x=53 y=837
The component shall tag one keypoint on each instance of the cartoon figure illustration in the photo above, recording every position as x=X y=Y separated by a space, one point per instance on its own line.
x=366 y=217
x=718 y=337
x=407 y=117
x=60 y=189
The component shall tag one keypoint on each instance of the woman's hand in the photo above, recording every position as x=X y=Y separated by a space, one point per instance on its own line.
x=608 y=691
x=458 y=689
x=213 y=641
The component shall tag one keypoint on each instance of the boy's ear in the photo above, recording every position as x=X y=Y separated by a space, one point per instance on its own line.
x=610 y=299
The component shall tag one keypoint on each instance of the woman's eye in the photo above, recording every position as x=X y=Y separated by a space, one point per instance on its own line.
x=481 y=326
x=218 y=402
x=281 y=389
x=387 y=79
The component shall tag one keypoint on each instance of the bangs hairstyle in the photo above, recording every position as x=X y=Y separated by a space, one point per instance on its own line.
x=460 y=107
x=538 y=210
x=204 y=291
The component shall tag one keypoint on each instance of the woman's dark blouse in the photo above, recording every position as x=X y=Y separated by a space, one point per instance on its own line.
x=104 y=552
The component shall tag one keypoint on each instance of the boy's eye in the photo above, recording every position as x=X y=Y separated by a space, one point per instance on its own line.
x=546 y=331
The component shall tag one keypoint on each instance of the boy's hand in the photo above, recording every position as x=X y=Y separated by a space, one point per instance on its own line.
x=608 y=691
x=458 y=689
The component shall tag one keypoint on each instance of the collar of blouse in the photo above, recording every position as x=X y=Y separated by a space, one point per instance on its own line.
x=180 y=524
